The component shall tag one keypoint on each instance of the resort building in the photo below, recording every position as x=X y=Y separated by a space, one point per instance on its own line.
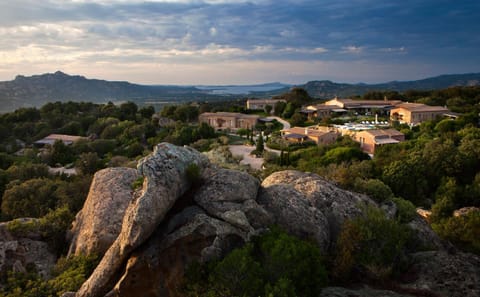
x=364 y=106
x=336 y=105
x=228 y=120
x=370 y=140
x=314 y=133
x=416 y=113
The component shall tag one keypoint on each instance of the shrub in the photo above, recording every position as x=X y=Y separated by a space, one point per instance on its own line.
x=463 y=231
x=406 y=210
x=374 y=188
x=69 y=274
x=194 y=174
x=371 y=244
x=33 y=198
x=138 y=183
x=274 y=264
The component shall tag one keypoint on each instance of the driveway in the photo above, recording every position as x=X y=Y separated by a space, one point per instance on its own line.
x=286 y=125
x=247 y=159
x=244 y=151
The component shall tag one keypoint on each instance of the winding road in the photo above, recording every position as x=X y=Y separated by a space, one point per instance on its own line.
x=244 y=150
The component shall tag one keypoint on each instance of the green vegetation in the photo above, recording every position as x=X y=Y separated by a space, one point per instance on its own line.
x=372 y=246
x=464 y=231
x=68 y=275
x=436 y=168
x=274 y=264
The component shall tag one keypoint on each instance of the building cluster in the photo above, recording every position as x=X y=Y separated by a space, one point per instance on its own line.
x=403 y=112
x=370 y=136
x=231 y=121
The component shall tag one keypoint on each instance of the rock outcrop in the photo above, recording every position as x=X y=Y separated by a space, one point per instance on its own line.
x=336 y=204
x=18 y=252
x=174 y=221
x=452 y=275
x=98 y=224
x=165 y=174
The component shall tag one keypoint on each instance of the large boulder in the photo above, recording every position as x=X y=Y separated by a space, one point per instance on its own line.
x=99 y=222
x=452 y=275
x=335 y=203
x=166 y=178
x=190 y=236
x=293 y=212
x=19 y=251
x=225 y=216
x=231 y=195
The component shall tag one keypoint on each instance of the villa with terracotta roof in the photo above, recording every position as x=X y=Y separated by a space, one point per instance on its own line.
x=228 y=120
x=416 y=113
x=370 y=140
x=338 y=105
x=313 y=133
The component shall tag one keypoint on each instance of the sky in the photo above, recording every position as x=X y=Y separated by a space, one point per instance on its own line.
x=218 y=42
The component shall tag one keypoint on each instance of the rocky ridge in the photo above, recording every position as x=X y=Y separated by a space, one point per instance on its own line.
x=176 y=219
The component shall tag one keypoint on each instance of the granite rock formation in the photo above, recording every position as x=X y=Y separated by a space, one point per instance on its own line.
x=173 y=221
x=165 y=179
x=18 y=251
x=98 y=224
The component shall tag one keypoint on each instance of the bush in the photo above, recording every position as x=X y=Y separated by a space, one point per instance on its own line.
x=463 y=231
x=374 y=188
x=274 y=264
x=33 y=198
x=406 y=210
x=371 y=245
x=69 y=274
x=194 y=174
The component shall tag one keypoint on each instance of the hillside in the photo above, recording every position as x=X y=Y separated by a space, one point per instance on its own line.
x=328 y=89
x=38 y=89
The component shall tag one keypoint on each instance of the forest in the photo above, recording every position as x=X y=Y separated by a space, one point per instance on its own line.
x=436 y=168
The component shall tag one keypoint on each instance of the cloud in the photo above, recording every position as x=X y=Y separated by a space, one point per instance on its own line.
x=117 y=32
x=351 y=49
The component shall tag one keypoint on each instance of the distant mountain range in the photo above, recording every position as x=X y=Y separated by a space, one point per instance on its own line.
x=328 y=89
x=37 y=90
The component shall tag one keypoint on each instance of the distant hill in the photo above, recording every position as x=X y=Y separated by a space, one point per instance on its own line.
x=36 y=90
x=328 y=89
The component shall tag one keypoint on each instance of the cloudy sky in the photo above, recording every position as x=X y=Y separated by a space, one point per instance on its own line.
x=240 y=42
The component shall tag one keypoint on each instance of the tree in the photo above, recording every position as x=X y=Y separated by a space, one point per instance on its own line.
x=60 y=153
x=268 y=109
x=128 y=111
x=260 y=145
x=289 y=110
x=297 y=96
x=279 y=108
x=33 y=198
x=147 y=112
x=298 y=119
x=88 y=163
